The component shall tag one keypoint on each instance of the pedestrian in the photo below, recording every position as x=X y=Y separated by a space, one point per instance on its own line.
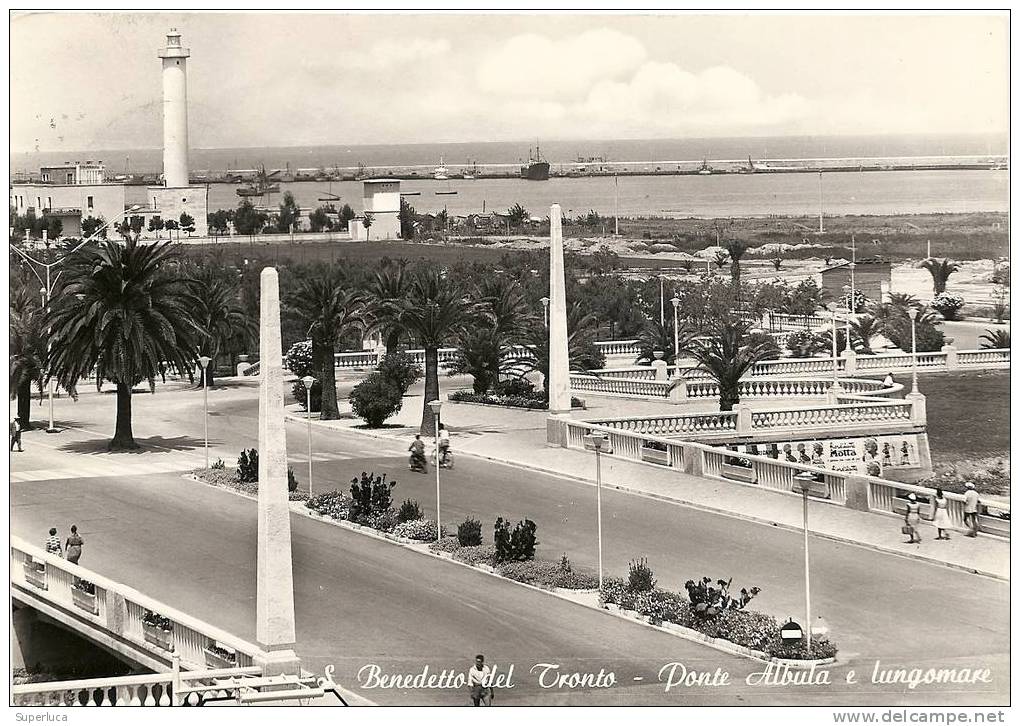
x=478 y=681
x=941 y=519
x=970 y=509
x=53 y=543
x=73 y=545
x=888 y=382
x=912 y=520
x=16 y=433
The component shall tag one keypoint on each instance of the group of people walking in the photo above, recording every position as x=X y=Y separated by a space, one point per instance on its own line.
x=940 y=515
x=71 y=550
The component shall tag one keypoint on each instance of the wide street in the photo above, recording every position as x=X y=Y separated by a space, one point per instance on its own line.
x=363 y=601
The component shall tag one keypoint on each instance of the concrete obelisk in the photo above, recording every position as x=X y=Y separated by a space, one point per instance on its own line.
x=559 y=360
x=275 y=630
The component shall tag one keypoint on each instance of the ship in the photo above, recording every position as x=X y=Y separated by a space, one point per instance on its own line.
x=441 y=172
x=705 y=169
x=261 y=187
x=537 y=169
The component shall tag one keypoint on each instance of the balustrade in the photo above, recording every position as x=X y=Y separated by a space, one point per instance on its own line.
x=606 y=385
x=990 y=356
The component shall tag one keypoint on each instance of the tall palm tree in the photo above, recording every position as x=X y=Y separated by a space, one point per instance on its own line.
x=582 y=353
x=656 y=337
x=434 y=312
x=862 y=331
x=331 y=308
x=736 y=249
x=226 y=323
x=727 y=355
x=128 y=313
x=990 y=339
x=940 y=271
x=386 y=290
x=27 y=343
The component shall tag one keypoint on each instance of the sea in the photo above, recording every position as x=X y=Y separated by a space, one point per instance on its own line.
x=716 y=195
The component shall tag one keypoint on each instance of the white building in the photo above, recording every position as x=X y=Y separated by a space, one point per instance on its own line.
x=90 y=172
x=381 y=201
x=71 y=203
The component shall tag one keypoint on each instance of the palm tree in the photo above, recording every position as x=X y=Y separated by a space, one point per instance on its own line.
x=326 y=302
x=862 y=331
x=736 y=249
x=991 y=339
x=940 y=271
x=434 y=311
x=128 y=313
x=656 y=337
x=386 y=290
x=27 y=344
x=226 y=323
x=721 y=259
x=582 y=353
x=727 y=355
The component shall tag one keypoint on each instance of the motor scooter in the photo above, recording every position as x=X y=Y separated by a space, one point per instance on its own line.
x=417 y=462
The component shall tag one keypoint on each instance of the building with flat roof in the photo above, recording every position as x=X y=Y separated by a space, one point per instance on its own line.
x=872 y=276
x=71 y=203
x=381 y=200
x=91 y=172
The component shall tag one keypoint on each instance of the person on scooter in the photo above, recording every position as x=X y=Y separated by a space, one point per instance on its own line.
x=417 y=449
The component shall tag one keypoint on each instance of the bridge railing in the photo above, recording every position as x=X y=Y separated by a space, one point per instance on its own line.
x=850 y=489
x=121 y=610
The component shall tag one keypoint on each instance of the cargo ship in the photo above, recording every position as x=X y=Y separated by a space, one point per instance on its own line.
x=537 y=169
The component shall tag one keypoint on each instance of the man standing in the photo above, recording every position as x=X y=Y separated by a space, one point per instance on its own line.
x=970 y=509
x=478 y=681
x=16 y=433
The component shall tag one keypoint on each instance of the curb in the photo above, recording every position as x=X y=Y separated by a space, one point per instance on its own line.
x=706 y=508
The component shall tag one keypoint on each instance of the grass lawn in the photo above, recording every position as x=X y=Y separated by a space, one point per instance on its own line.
x=968 y=414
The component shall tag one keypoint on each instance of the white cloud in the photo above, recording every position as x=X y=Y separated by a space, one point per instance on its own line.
x=535 y=66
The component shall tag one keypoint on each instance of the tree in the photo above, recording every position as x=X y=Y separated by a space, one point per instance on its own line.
x=366 y=221
x=27 y=347
x=170 y=225
x=386 y=291
x=656 y=337
x=990 y=339
x=289 y=215
x=248 y=220
x=806 y=298
x=940 y=271
x=862 y=331
x=582 y=353
x=219 y=220
x=89 y=225
x=435 y=312
x=721 y=259
x=736 y=249
x=346 y=215
x=727 y=355
x=127 y=313
x=225 y=323
x=407 y=219
x=319 y=219
x=326 y=303
x=517 y=215
x=155 y=225
x=777 y=262
x=187 y=223
x=375 y=399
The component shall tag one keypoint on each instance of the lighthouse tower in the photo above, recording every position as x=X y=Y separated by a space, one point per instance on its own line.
x=176 y=197
x=175 y=110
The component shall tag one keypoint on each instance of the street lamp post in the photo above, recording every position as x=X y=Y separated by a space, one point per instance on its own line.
x=308 y=381
x=48 y=293
x=598 y=442
x=835 y=355
x=676 y=332
x=805 y=483
x=662 y=302
x=204 y=362
x=436 y=406
x=545 y=311
x=914 y=313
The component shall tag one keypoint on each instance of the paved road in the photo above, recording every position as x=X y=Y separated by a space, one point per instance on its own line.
x=361 y=600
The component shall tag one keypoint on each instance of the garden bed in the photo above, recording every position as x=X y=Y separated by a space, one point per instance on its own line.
x=516 y=402
x=227 y=479
x=546 y=574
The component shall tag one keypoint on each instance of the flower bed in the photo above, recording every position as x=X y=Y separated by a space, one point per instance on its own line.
x=747 y=628
x=540 y=573
x=227 y=478
x=526 y=402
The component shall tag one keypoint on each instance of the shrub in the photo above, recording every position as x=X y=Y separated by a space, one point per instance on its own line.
x=375 y=399
x=218 y=464
x=801 y=344
x=709 y=601
x=820 y=648
x=423 y=530
x=409 y=511
x=399 y=369
x=860 y=301
x=446 y=544
x=469 y=533
x=640 y=578
x=292 y=481
x=516 y=545
x=332 y=504
x=248 y=466
x=301 y=398
x=545 y=573
x=481 y=555
x=385 y=521
x=515 y=387
x=947 y=305
x=370 y=496
x=299 y=360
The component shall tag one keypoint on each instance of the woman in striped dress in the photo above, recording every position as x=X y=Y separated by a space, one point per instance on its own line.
x=53 y=543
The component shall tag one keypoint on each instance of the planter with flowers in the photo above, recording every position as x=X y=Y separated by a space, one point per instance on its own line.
x=655 y=452
x=738 y=468
x=158 y=630
x=83 y=593
x=35 y=573
x=220 y=656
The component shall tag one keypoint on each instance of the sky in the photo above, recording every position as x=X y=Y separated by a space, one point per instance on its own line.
x=81 y=81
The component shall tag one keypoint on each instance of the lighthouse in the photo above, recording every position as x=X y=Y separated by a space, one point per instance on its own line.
x=176 y=197
x=175 y=110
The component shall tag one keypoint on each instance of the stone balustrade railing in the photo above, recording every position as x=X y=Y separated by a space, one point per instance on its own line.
x=619 y=347
x=687 y=424
x=119 y=610
x=621 y=387
x=852 y=490
x=986 y=357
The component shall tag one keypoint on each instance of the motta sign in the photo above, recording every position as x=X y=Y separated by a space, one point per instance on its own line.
x=869 y=455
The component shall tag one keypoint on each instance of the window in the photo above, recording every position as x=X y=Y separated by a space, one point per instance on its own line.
x=46 y=177
x=49 y=202
x=70 y=178
x=90 y=203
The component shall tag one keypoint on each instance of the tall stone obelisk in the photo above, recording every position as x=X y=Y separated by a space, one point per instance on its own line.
x=559 y=360
x=275 y=630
